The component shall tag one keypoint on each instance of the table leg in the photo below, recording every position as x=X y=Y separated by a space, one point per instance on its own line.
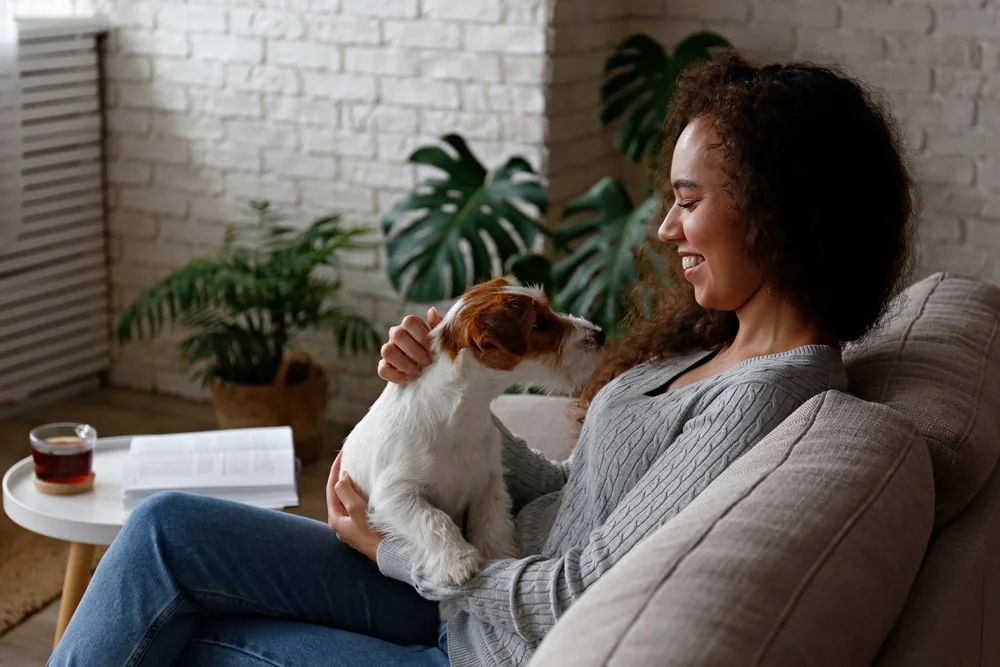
x=78 y=567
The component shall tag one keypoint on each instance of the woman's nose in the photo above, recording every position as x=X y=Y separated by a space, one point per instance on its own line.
x=670 y=230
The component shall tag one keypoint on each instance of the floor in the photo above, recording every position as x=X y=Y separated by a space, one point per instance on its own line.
x=28 y=644
x=111 y=412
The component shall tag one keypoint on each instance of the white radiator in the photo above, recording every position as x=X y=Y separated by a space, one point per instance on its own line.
x=54 y=328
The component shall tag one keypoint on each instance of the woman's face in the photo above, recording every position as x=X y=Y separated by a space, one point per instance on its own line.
x=703 y=223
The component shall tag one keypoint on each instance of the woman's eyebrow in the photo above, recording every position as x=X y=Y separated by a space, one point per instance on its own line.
x=683 y=183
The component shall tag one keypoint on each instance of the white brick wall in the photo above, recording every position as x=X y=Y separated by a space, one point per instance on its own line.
x=935 y=60
x=583 y=34
x=212 y=103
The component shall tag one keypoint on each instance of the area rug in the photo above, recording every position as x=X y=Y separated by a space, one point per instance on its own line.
x=32 y=566
x=31 y=572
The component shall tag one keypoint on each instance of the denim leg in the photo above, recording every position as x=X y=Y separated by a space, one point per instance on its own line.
x=230 y=641
x=182 y=559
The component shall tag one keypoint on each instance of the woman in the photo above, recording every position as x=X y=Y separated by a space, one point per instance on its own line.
x=789 y=222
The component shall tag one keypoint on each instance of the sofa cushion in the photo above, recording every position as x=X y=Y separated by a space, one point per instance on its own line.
x=543 y=422
x=953 y=611
x=937 y=361
x=802 y=552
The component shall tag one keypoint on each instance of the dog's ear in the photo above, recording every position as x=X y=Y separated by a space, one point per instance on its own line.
x=500 y=334
x=501 y=330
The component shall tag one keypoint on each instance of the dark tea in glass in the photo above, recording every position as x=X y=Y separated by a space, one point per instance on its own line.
x=63 y=453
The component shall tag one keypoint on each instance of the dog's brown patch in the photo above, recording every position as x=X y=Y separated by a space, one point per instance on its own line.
x=502 y=328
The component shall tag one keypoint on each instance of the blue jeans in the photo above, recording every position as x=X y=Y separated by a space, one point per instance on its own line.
x=195 y=581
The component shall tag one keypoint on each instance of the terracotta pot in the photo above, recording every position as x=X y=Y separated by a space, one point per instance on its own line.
x=297 y=398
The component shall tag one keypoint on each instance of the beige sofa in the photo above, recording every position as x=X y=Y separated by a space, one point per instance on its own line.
x=865 y=530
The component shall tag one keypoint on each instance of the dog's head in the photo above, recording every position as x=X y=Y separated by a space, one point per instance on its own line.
x=511 y=329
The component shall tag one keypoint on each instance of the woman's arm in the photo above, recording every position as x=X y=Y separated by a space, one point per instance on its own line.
x=527 y=595
x=528 y=474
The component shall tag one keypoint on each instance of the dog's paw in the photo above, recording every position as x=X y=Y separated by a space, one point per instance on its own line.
x=453 y=567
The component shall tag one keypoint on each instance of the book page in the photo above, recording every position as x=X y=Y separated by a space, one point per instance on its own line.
x=245 y=439
x=262 y=458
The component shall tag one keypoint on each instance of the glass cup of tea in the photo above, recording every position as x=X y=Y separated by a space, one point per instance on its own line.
x=63 y=454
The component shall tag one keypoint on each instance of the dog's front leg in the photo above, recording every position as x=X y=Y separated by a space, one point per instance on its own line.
x=490 y=526
x=446 y=556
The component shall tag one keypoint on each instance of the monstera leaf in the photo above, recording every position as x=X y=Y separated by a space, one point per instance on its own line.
x=468 y=223
x=593 y=279
x=532 y=269
x=639 y=79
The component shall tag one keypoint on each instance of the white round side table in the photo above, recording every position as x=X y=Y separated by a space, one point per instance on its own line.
x=84 y=520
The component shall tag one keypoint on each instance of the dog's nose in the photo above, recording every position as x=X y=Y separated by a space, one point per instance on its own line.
x=599 y=336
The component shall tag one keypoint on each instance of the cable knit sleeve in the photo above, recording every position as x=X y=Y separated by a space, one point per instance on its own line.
x=527 y=595
x=528 y=473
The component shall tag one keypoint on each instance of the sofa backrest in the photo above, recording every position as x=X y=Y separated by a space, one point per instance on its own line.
x=544 y=422
x=936 y=360
x=802 y=552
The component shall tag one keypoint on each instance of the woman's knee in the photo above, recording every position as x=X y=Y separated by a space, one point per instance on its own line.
x=162 y=514
x=164 y=506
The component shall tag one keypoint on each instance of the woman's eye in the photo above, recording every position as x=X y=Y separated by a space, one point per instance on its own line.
x=686 y=204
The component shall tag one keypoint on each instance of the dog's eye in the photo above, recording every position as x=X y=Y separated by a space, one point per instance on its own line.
x=541 y=324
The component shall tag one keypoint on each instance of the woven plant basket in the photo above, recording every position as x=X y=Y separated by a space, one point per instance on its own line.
x=297 y=399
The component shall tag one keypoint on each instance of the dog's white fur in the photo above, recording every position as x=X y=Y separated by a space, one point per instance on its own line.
x=429 y=457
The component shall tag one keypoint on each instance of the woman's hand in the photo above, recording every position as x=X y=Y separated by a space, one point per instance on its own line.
x=408 y=351
x=347 y=513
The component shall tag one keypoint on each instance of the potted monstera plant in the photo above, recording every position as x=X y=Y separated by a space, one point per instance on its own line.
x=241 y=310
x=466 y=223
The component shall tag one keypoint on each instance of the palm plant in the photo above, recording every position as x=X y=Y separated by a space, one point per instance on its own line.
x=639 y=80
x=594 y=275
x=469 y=224
x=458 y=216
x=244 y=305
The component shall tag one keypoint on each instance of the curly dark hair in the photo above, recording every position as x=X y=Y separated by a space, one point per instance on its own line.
x=822 y=190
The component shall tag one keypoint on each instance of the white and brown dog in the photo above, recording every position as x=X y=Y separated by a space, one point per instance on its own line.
x=427 y=453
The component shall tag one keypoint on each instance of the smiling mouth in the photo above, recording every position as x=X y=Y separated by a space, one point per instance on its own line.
x=691 y=261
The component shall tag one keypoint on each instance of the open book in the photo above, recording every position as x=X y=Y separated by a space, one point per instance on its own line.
x=252 y=465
